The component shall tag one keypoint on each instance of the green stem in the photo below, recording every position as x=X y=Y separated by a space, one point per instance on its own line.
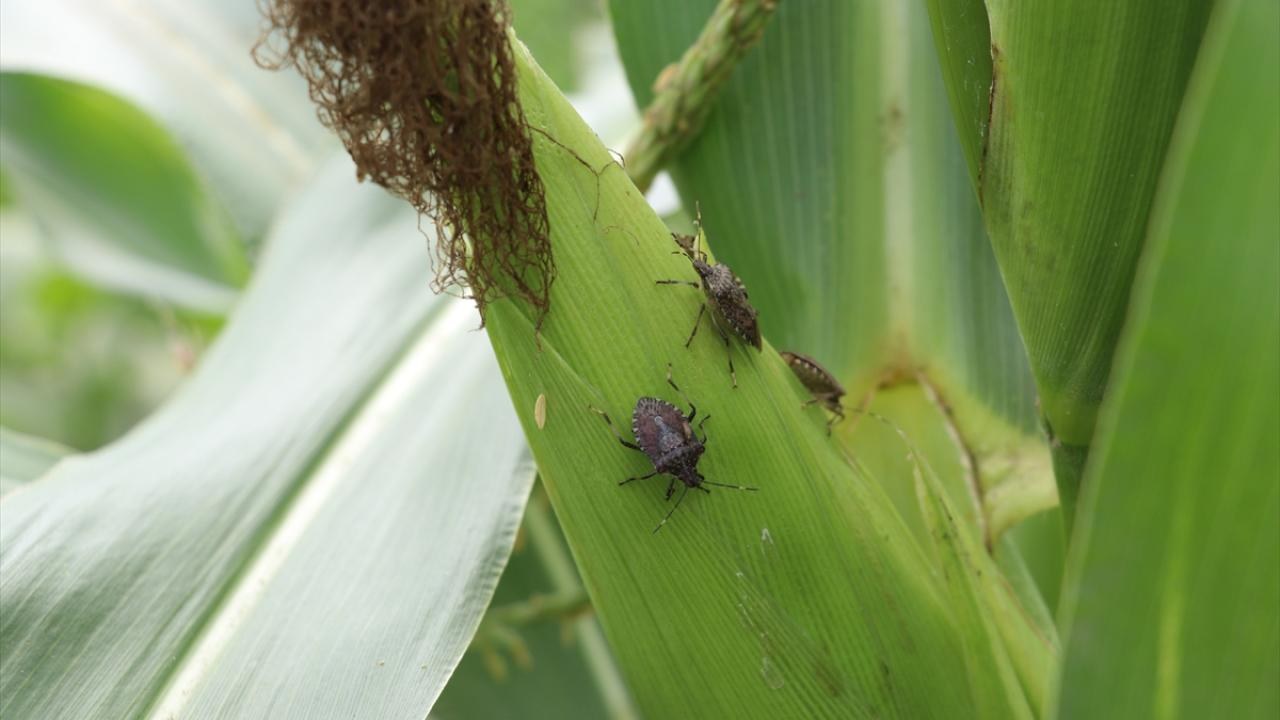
x=1068 y=470
x=686 y=90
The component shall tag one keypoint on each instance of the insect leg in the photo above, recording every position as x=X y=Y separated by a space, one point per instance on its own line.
x=642 y=477
x=705 y=418
x=728 y=349
x=690 y=283
x=614 y=430
x=702 y=309
x=673 y=509
x=837 y=415
x=671 y=489
x=693 y=410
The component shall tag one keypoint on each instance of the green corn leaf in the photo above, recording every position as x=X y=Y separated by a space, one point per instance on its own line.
x=24 y=458
x=1083 y=97
x=809 y=596
x=187 y=64
x=115 y=193
x=555 y=666
x=270 y=543
x=831 y=179
x=1170 y=607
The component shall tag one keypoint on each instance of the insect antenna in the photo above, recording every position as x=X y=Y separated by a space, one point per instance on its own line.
x=732 y=487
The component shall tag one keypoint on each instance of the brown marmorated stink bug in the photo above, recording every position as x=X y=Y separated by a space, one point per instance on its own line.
x=667 y=437
x=821 y=384
x=726 y=296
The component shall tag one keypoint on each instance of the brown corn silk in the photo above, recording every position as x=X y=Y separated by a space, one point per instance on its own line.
x=423 y=95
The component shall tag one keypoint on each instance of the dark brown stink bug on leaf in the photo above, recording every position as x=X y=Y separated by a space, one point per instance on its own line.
x=725 y=295
x=667 y=437
x=821 y=384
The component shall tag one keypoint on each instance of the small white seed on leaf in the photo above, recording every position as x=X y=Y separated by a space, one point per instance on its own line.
x=540 y=411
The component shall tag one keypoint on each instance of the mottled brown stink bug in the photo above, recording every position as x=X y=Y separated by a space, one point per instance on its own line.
x=821 y=384
x=667 y=437
x=726 y=296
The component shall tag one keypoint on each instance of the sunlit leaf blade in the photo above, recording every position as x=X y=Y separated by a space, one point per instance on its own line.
x=807 y=597
x=254 y=134
x=554 y=667
x=24 y=458
x=269 y=543
x=1083 y=100
x=831 y=179
x=115 y=193
x=1170 y=603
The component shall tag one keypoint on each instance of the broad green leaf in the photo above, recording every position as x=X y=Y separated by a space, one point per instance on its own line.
x=269 y=543
x=557 y=666
x=254 y=134
x=808 y=597
x=1170 y=602
x=115 y=193
x=1083 y=98
x=831 y=179
x=1014 y=643
x=24 y=458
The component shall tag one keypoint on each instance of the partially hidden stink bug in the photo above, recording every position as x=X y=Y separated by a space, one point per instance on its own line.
x=667 y=436
x=726 y=296
x=821 y=384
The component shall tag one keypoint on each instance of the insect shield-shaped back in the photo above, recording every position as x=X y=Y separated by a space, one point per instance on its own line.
x=729 y=300
x=665 y=435
x=726 y=296
x=820 y=383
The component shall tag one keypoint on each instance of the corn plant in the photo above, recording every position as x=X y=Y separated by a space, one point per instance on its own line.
x=1037 y=247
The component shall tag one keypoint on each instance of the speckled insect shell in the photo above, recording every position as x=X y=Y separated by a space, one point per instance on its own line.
x=663 y=434
x=728 y=298
x=813 y=376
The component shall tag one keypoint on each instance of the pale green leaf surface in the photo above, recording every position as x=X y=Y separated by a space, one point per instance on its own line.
x=831 y=179
x=1170 y=602
x=115 y=193
x=253 y=134
x=269 y=543
x=24 y=458
x=808 y=597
